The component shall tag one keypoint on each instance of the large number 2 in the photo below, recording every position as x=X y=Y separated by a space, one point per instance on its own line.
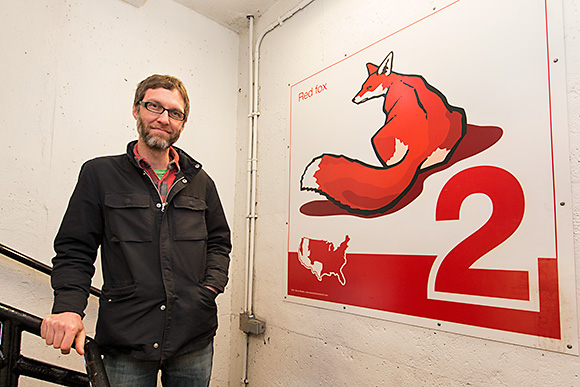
x=507 y=197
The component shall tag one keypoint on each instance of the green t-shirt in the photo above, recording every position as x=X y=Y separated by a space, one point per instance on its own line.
x=160 y=172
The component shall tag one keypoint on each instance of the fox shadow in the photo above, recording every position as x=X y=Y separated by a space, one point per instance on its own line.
x=476 y=140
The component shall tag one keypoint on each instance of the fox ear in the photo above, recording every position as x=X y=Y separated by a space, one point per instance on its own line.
x=387 y=65
x=371 y=68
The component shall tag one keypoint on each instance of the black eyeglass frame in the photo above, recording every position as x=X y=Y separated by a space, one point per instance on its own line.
x=170 y=112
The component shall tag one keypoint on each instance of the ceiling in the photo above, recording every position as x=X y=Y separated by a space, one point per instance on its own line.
x=230 y=13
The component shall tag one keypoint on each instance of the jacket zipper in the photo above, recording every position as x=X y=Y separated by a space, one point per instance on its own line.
x=156 y=190
x=163 y=203
x=177 y=180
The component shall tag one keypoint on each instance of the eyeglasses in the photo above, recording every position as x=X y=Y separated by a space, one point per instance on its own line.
x=156 y=108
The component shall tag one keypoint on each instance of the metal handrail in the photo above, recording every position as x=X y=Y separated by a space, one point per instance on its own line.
x=13 y=364
x=14 y=322
x=34 y=264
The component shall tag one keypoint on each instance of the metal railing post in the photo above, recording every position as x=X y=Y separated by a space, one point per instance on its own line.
x=10 y=340
x=94 y=364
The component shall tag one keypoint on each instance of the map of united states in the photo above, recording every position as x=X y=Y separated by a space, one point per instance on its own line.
x=322 y=259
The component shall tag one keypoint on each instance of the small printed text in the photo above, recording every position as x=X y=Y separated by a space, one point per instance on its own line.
x=304 y=95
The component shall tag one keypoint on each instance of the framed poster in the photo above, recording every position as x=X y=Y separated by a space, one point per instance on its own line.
x=429 y=178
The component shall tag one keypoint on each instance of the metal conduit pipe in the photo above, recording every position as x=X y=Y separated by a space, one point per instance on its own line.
x=254 y=113
x=250 y=219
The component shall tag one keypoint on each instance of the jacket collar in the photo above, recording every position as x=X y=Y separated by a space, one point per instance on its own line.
x=189 y=166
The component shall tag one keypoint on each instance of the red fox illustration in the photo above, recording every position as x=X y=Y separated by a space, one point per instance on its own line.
x=421 y=131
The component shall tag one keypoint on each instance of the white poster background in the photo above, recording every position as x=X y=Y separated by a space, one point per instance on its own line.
x=491 y=59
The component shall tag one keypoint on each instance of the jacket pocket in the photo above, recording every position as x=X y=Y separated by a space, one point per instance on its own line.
x=129 y=217
x=188 y=221
x=118 y=294
x=210 y=296
x=200 y=313
x=117 y=323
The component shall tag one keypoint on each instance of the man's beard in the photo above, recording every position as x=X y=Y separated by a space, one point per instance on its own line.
x=153 y=141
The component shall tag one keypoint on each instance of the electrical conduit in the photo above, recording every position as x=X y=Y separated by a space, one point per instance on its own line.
x=253 y=99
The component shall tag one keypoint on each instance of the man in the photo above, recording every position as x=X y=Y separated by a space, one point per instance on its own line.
x=165 y=246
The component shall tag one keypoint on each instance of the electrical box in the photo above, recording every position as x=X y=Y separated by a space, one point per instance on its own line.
x=251 y=325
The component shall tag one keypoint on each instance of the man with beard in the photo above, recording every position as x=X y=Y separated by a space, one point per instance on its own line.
x=165 y=243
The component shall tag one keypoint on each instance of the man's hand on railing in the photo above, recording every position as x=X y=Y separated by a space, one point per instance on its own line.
x=62 y=330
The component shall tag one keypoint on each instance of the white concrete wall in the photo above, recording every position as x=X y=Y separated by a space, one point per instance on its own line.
x=61 y=57
x=306 y=346
x=69 y=72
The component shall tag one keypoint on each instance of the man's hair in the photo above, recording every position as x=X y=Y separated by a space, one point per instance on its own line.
x=156 y=81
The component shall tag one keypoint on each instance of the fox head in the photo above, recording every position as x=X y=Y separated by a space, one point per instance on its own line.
x=377 y=83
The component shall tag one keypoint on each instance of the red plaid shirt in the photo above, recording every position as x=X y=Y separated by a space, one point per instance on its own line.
x=164 y=184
